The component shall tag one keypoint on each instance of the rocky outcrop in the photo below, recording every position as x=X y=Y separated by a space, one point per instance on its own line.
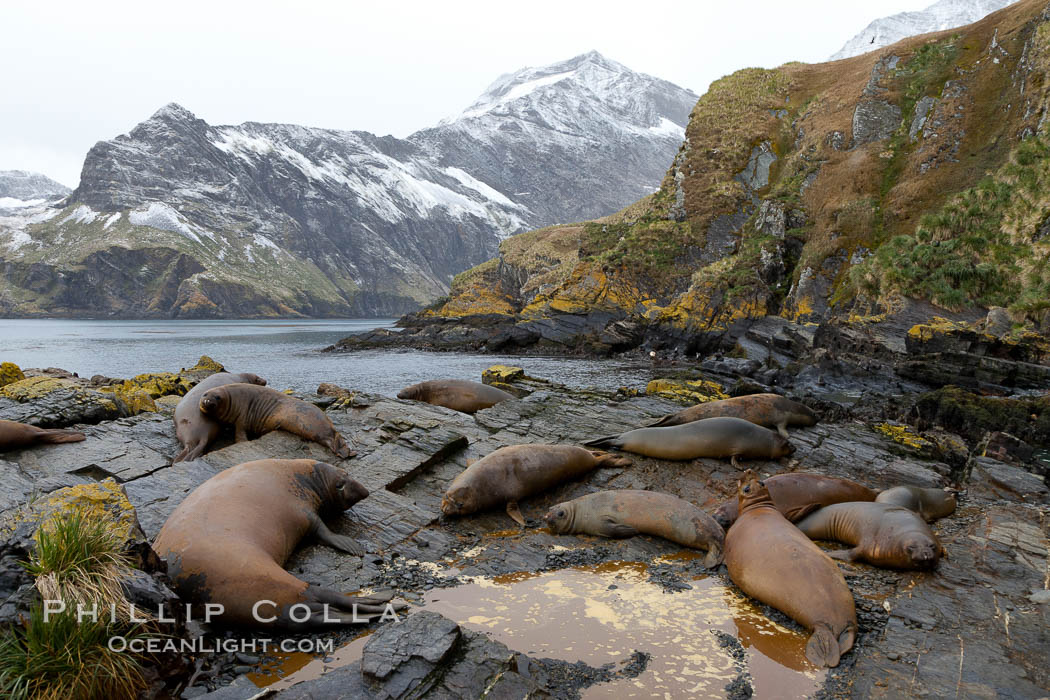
x=180 y=218
x=26 y=186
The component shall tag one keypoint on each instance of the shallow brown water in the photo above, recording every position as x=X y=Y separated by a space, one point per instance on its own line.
x=601 y=614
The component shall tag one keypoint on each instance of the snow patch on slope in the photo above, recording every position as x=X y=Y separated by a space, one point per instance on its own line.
x=162 y=217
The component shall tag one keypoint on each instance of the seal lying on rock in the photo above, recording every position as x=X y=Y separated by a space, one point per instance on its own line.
x=798 y=494
x=627 y=512
x=882 y=534
x=14 y=435
x=931 y=504
x=257 y=410
x=767 y=410
x=194 y=429
x=710 y=437
x=457 y=394
x=512 y=473
x=772 y=561
x=228 y=541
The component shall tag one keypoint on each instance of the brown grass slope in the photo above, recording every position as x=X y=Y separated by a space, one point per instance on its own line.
x=946 y=126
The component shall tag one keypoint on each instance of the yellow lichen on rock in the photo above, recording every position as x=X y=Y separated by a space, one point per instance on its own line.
x=903 y=435
x=35 y=388
x=135 y=400
x=104 y=500
x=10 y=373
x=205 y=364
x=158 y=384
x=503 y=374
x=689 y=391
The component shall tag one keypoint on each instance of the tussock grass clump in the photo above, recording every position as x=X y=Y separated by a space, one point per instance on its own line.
x=64 y=658
x=79 y=559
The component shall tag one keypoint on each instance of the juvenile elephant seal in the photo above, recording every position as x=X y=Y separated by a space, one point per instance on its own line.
x=257 y=410
x=931 y=504
x=227 y=542
x=457 y=394
x=798 y=494
x=512 y=473
x=710 y=437
x=14 y=435
x=772 y=561
x=881 y=534
x=627 y=512
x=194 y=429
x=767 y=410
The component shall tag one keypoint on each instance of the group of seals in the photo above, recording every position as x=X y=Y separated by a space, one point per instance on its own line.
x=458 y=394
x=227 y=542
x=796 y=495
x=15 y=435
x=510 y=474
x=710 y=437
x=773 y=561
x=194 y=429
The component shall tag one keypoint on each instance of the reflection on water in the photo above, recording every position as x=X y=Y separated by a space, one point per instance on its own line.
x=602 y=614
x=287 y=353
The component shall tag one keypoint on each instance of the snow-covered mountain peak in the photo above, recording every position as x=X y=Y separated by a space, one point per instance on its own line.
x=946 y=14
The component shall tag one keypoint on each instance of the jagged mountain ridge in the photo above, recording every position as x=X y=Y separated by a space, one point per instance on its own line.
x=27 y=186
x=945 y=14
x=271 y=219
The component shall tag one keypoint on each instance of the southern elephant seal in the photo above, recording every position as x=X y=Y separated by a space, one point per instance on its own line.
x=196 y=430
x=798 y=494
x=627 y=512
x=767 y=410
x=881 y=534
x=227 y=542
x=711 y=437
x=512 y=473
x=257 y=410
x=772 y=561
x=457 y=394
x=931 y=504
x=14 y=435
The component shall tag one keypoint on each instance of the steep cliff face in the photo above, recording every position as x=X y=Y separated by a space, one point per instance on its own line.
x=182 y=218
x=819 y=191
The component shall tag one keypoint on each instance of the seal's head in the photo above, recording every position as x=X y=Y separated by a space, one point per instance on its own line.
x=752 y=492
x=782 y=447
x=725 y=514
x=559 y=518
x=459 y=500
x=336 y=487
x=250 y=378
x=214 y=401
x=414 y=392
x=920 y=550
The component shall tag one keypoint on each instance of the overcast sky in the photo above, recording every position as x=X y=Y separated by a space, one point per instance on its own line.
x=78 y=72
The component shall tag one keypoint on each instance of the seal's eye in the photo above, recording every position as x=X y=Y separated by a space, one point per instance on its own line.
x=561 y=513
x=747 y=489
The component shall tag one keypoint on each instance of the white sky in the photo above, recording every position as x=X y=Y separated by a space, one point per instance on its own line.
x=78 y=72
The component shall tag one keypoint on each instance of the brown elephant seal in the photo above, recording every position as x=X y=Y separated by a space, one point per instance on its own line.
x=772 y=561
x=881 y=534
x=257 y=410
x=14 y=435
x=931 y=504
x=194 y=429
x=710 y=437
x=227 y=543
x=457 y=394
x=798 y=494
x=512 y=473
x=627 y=512
x=767 y=410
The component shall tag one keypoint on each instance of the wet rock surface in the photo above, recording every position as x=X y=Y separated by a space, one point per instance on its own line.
x=973 y=627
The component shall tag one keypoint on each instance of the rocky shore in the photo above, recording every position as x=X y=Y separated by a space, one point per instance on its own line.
x=974 y=627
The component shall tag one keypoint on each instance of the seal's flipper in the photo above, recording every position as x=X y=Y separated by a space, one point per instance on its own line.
x=782 y=429
x=55 y=437
x=734 y=462
x=609 y=441
x=611 y=528
x=607 y=460
x=338 y=445
x=340 y=542
x=843 y=554
x=822 y=649
x=714 y=556
x=665 y=421
x=797 y=514
x=515 y=513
